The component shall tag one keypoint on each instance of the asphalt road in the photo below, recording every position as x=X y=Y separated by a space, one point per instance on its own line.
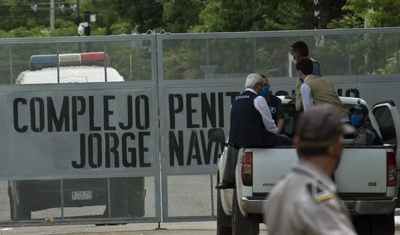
x=195 y=228
x=201 y=228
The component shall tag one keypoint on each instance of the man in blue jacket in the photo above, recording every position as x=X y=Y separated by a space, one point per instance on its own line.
x=251 y=125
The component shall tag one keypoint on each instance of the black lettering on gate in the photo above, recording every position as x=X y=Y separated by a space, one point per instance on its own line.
x=140 y=101
x=60 y=121
x=176 y=148
x=173 y=110
x=208 y=110
x=190 y=111
x=17 y=127
x=91 y=115
x=33 y=104
x=194 y=145
x=77 y=112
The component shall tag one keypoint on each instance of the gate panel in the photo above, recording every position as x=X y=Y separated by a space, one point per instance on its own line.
x=99 y=165
x=80 y=152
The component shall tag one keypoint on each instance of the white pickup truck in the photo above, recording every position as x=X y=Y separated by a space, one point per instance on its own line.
x=367 y=178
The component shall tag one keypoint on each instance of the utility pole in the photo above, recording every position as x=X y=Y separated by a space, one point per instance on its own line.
x=77 y=8
x=318 y=22
x=86 y=18
x=51 y=14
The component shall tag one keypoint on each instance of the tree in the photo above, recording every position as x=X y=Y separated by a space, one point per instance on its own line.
x=140 y=14
x=255 y=15
x=179 y=16
x=386 y=13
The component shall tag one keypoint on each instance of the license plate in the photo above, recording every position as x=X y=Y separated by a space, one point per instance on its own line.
x=82 y=195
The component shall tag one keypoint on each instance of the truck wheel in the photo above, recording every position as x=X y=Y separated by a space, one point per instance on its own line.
x=224 y=222
x=383 y=224
x=374 y=224
x=242 y=225
x=362 y=224
x=18 y=212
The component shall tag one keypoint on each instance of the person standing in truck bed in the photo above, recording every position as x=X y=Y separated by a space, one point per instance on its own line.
x=298 y=51
x=318 y=90
x=305 y=200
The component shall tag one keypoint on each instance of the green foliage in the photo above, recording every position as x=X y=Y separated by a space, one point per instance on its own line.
x=391 y=66
x=347 y=21
x=63 y=28
x=208 y=22
x=121 y=28
x=178 y=16
x=356 y=54
x=255 y=15
x=112 y=17
x=183 y=59
x=3 y=34
x=385 y=13
x=23 y=32
x=99 y=31
x=145 y=14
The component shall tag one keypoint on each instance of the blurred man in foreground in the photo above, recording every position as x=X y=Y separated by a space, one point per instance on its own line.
x=305 y=200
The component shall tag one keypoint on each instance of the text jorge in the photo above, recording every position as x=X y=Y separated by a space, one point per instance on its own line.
x=100 y=121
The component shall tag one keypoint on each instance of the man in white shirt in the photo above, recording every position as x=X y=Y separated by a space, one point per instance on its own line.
x=318 y=90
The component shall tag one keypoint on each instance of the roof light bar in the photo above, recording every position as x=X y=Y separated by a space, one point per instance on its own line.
x=37 y=62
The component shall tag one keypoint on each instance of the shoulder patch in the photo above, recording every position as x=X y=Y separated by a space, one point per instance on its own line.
x=319 y=192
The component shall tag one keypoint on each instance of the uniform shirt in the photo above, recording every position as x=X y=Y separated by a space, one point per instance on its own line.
x=367 y=135
x=305 y=202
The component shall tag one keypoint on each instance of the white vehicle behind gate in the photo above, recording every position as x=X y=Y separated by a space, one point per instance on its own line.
x=367 y=178
x=74 y=68
x=127 y=193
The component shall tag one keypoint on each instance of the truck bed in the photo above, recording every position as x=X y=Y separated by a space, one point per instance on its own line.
x=352 y=176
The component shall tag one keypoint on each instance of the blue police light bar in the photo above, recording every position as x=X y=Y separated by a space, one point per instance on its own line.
x=38 y=62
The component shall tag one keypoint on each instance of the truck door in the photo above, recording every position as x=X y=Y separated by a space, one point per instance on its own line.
x=388 y=119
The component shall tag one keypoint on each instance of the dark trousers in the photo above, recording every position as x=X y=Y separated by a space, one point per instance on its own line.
x=230 y=164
